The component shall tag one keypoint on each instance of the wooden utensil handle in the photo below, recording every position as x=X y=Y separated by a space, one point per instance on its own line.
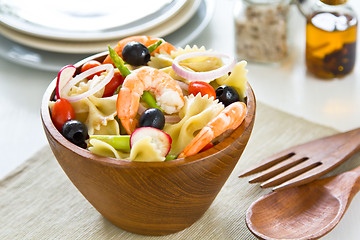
x=354 y=136
x=344 y=184
x=356 y=187
x=350 y=182
x=357 y=169
x=357 y=172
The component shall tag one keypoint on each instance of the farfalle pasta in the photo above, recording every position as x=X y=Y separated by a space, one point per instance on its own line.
x=102 y=112
x=98 y=114
x=145 y=151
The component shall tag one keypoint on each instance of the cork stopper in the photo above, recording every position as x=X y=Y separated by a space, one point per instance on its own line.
x=334 y=2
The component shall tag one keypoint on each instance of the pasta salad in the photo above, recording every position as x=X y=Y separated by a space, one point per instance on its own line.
x=150 y=101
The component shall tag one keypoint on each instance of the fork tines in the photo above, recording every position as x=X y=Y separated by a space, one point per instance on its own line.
x=306 y=162
x=284 y=170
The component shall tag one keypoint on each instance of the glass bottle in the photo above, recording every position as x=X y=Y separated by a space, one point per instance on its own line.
x=331 y=31
x=261 y=30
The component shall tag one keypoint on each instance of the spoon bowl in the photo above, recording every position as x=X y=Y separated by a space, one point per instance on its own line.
x=305 y=212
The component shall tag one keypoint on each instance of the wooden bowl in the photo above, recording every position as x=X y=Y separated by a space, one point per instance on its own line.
x=153 y=198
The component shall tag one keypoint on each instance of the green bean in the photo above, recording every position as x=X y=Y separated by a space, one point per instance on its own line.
x=150 y=100
x=170 y=157
x=119 y=63
x=119 y=142
x=154 y=46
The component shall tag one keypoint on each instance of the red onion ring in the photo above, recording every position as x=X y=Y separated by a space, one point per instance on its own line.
x=141 y=109
x=172 y=119
x=65 y=90
x=202 y=76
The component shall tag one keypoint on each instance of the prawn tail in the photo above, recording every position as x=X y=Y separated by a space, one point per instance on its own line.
x=236 y=112
x=242 y=110
x=199 y=142
x=129 y=124
x=165 y=46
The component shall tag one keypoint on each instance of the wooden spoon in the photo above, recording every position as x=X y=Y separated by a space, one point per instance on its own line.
x=306 y=212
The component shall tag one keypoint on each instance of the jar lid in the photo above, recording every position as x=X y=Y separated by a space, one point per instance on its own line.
x=334 y=2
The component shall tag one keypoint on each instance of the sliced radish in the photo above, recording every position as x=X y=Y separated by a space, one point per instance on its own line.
x=161 y=139
x=63 y=77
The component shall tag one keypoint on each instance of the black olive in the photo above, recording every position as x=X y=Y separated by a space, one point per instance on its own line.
x=76 y=132
x=152 y=117
x=227 y=95
x=135 y=53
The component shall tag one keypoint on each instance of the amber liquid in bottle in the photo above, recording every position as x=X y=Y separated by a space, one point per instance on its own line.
x=330 y=44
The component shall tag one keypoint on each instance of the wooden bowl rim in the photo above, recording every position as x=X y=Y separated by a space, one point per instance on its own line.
x=60 y=139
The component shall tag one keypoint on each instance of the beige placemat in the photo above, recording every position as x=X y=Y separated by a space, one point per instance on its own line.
x=37 y=201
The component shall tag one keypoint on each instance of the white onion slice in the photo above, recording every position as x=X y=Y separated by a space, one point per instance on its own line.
x=202 y=76
x=65 y=90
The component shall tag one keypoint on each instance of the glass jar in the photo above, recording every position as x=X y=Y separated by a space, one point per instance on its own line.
x=331 y=31
x=262 y=30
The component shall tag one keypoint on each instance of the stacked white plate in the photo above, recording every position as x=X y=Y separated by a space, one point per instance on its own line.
x=50 y=34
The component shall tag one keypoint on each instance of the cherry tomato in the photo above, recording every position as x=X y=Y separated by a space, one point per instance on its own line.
x=201 y=87
x=91 y=64
x=114 y=83
x=62 y=112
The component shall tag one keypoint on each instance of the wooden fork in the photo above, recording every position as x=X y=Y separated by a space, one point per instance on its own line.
x=306 y=162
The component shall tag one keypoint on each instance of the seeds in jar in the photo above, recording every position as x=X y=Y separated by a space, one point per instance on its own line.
x=261 y=35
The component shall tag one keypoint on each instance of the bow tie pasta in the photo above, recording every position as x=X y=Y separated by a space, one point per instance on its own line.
x=145 y=151
x=98 y=114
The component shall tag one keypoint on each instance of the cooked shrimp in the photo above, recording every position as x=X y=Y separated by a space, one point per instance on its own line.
x=229 y=118
x=147 y=41
x=167 y=93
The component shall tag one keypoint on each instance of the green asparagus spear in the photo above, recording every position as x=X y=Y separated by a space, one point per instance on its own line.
x=119 y=142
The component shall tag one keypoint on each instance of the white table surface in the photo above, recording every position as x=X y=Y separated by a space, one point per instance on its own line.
x=333 y=103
